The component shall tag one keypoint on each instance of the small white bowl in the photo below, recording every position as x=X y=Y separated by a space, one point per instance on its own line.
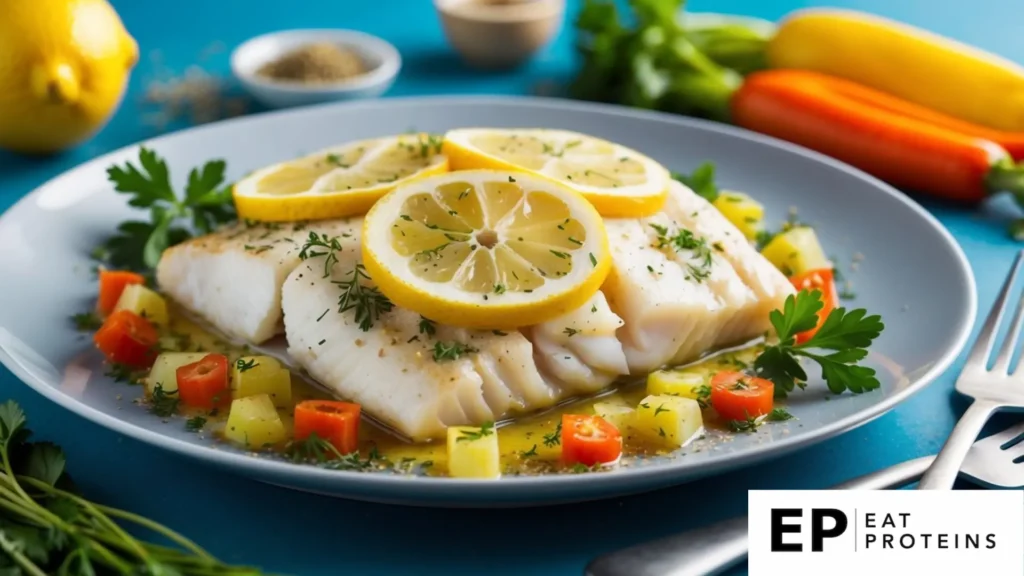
x=382 y=59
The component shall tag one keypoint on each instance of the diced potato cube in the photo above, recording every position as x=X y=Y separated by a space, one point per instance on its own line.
x=144 y=302
x=473 y=452
x=743 y=211
x=668 y=421
x=253 y=375
x=616 y=414
x=165 y=368
x=796 y=251
x=254 y=423
x=685 y=383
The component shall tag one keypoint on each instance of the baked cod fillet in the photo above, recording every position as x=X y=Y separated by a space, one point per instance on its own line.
x=416 y=376
x=233 y=277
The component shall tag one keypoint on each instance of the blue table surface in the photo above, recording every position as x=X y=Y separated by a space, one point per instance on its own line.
x=289 y=532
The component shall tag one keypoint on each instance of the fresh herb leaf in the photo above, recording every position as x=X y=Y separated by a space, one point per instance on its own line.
x=124 y=373
x=318 y=245
x=570 y=332
x=846 y=335
x=779 y=415
x=701 y=181
x=163 y=403
x=529 y=453
x=45 y=462
x=195 y=424
x=554 y=438
x=427 y=326
x=749 y=425
x=368 y=302
x=449 y=351
x=204 y=205
x=473 y=434
x=87 y=321
x=244 y=365
x=703 y=393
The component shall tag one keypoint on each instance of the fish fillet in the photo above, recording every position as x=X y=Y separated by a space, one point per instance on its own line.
x=233 y=277
x=769 y=285
x=391 y=370
x=661 y=305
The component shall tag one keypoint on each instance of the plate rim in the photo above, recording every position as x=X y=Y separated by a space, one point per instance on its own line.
x=635 y=479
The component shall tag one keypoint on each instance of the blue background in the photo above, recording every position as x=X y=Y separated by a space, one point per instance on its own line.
x=287 y=532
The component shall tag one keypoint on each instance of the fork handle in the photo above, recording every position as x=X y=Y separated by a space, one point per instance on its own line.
x=943 y=472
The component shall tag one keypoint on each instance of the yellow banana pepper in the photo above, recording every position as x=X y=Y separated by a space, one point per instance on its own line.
x=912 y=64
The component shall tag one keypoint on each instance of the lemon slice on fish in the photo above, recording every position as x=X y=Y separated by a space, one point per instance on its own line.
x=486 y=249
x=340 y=181
x=618 y=181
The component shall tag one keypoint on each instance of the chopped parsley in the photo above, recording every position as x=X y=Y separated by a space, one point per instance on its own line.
x=163 y=403
x=554 y=438
x=245 y=366
x=87 y=321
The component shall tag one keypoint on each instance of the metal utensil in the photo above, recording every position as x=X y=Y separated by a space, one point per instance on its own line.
x=992 y=462
x=997 y=389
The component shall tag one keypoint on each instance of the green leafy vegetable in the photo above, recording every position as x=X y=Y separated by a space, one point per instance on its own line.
x=844 y=337
x=204 y=206
x=649 y=59
x=779 y=415
x=701 y=181
x=46 y=527
x=554 y=438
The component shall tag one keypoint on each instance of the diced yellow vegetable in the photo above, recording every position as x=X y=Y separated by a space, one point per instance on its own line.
x=685 y=383
x=144 y=302
x=253 y=375
x=473 y=452
x=165 y=368
x=668 y=421
x=796 y=251
x=254 y=423
x=616 y=414
x=743 y=211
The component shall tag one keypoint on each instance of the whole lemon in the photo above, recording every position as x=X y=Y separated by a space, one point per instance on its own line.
x=64 y=65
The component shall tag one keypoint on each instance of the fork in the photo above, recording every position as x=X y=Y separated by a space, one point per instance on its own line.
x=994 y=462
x=992 y=390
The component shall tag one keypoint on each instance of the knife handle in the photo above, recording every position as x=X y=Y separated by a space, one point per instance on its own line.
x=712 y=549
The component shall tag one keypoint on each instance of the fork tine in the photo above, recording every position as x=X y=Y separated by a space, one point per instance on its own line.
x=986 y=338
x=1002 y=363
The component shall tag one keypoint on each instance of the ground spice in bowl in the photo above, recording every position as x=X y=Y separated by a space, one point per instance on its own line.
x=317 y=63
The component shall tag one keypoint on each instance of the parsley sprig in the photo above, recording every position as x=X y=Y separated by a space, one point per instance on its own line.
x=701 y=181
x=49 y=528
x=449 y=351
x=205 y=205
x=837 y=346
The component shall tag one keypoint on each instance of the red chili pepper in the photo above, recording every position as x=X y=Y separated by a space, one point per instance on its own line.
x=892 y=139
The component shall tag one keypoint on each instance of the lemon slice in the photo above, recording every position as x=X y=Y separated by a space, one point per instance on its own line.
x=336 y=182
x=486 y=249
x=618 y=181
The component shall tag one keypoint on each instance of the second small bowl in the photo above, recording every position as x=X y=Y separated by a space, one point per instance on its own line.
x=499 y=34
x=382 y=60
